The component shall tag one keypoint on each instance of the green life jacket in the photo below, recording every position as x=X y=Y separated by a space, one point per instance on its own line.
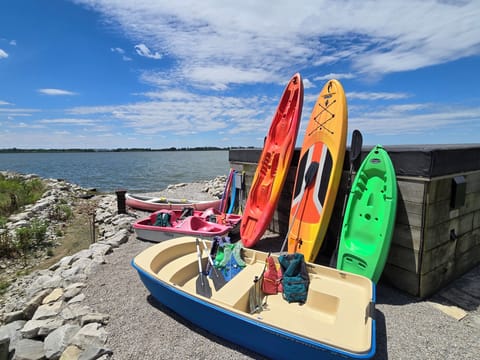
x=229 y=259
x=163 y=219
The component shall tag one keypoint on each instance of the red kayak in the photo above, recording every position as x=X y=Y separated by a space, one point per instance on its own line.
x=273 y=164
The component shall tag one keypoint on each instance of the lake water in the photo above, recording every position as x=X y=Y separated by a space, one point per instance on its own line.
x=108 y=171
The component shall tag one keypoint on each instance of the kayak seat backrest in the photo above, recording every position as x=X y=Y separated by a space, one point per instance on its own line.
x=198 y=224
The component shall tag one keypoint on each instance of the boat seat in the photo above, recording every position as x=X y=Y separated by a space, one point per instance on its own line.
x=198 y=224
x=237 y=288
x=177 y=270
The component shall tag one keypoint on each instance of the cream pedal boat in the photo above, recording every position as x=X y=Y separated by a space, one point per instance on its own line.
x=335 y=322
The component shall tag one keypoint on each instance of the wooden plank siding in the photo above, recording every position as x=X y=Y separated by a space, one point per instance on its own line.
x=432 y=243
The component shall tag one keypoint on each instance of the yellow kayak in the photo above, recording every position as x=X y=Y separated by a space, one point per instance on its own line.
x=319 y=172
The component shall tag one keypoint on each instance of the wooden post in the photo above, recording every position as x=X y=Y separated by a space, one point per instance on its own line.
x=121 y=201
x=93 y=227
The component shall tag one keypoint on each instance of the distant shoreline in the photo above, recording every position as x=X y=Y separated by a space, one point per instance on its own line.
x=201 y=148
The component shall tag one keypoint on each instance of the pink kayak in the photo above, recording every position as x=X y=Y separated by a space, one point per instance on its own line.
x=149 y=203
x=168 y=224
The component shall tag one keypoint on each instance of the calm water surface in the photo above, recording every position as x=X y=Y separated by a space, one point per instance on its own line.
x=109 y=171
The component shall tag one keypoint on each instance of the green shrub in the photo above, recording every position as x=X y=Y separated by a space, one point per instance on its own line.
x=16 y=192
x=30 y=237
x=61 y=212
x=23 y=237
x=39 y=231
x=7 y=246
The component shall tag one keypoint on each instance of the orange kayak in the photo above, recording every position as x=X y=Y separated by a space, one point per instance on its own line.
x=273 y=164
x=323 y=152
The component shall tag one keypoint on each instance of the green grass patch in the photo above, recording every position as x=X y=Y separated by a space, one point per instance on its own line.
x=16 y=192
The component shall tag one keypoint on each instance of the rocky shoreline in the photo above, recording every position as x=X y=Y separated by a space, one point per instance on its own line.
x=43 y=313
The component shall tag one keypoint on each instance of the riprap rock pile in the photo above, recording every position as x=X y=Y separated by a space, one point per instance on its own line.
x=44 y=316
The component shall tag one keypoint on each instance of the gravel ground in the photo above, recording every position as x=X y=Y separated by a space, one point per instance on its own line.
x=141 y=328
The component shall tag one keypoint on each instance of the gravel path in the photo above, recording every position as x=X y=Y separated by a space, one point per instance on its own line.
x=141 y=328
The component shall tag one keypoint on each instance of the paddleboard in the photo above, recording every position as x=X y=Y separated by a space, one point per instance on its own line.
x=233 y=193
x=369 y=217
x=227 y=191
x=323 y=151
x=273 y=164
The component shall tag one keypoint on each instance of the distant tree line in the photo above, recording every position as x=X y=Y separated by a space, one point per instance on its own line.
x=198 y=148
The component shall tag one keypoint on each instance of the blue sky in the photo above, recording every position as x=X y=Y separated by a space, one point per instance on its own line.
x=129 y=73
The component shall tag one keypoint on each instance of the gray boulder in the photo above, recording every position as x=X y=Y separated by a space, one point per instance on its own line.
x=118 y=239
x=48 y=310
x=33 y=304
x=73 y=290
x=27 y=349
x=93 y=352
x=74 y=311
x=4 y=344
x=53 y=296
x=100 y=249
x=34 y=328
x=56 y=342
x=11 y=332
x=92 y=334
x=13 y=316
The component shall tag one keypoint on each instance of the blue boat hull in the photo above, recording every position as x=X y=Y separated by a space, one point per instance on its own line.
x=256 y=336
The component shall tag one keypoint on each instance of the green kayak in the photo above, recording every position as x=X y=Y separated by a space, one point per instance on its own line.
x=369 y=217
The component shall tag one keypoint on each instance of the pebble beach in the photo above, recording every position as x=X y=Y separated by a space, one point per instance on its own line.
x=112 y=315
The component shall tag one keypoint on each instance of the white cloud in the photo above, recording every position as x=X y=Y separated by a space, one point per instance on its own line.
x=12 y=111
x=337 y=76
x=143 y=50
x=55 y=92
x=13 y=42
x=67 y=121
x=218 y=77
x=413 y=119
x=117 y=50
x=121 y=52
x=3 y=54
x=4 y=103
x=307 y=84
x=373 y=37
x=376 y=95
x=174 y=111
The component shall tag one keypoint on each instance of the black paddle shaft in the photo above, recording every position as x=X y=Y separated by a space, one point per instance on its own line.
x=355 y=150
x=202 y=286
